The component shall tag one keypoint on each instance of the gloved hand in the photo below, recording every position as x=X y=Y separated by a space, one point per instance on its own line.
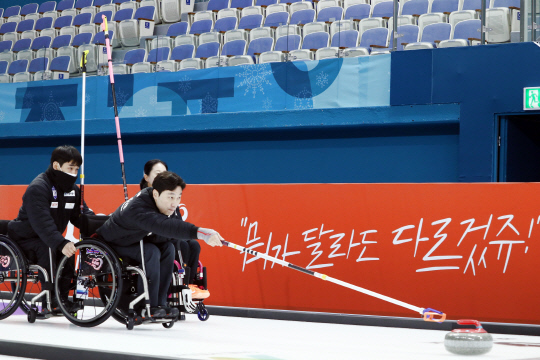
x=211 y=237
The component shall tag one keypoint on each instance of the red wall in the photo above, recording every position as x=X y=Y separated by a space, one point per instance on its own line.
x=489 y=274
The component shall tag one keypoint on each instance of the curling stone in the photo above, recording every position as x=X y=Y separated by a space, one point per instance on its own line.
x=468 y=341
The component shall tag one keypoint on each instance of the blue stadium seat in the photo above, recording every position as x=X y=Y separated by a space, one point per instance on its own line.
x=250 y=22
x=81 y=4
x=12 y=11
x=4 y=77
x=446 y=6
x=29 y=9
x=225 y=24
x=142 y=25
x=465 y=32
x=265 y=3
x=302 y=17
x=60 y=67
x=358 y=12
x=40 y=44
x=63 y=21
x=409 y=34
x=131 y=57
x=506 y=3
x=35 y=66
x=289 y=2
x=330 y=14
x=240 y=4
x=312 y=42
x=43 y=23
x=231 y=48
x=201 y=27
x=178 y=54
x=78 y=21
x=177 y=29
x=154 y=56
x=413 y=8
x=60 y=41
x=203 y=52
x=473 y=4
x=9 y=27
x=100 y=3
x=24 y=25
x=6 y=45
x=18 y=66
x=6 y=53
x=22 y=45
x=65 y=5
x=256 y=48
x=383 y=10
x=277 y=19
x=284 y=45
x=124 y=14
x=376 y=37
x=47 y=6
x=341 y=40
x=432 y=34
x=216 y=5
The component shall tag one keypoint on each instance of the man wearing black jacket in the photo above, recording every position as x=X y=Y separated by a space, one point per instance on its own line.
x=147 y=216
x=51 y=201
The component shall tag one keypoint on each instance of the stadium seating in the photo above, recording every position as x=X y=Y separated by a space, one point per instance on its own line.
x=178 y=54
x=65 y=5
x=284 y=45
x=60 y=67
x=341 y=40
x=142 y=25
x=256 y=48
x=97 y=52
x=78 y=21
x=14 y=68
x=3 y=69
x=71 y=50
x=36 y=65
x=464 y=34
x=230 y=48
x=11 y=11
x=132 y=57
x=431 y=35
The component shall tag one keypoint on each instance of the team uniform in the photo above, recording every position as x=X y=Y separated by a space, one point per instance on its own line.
x=49 y=203
x=139 y=218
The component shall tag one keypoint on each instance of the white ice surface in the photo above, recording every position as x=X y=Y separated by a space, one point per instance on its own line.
x=227 y=338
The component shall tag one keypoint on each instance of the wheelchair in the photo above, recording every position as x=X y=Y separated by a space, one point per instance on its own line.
x=20 y=285
x=105 y=285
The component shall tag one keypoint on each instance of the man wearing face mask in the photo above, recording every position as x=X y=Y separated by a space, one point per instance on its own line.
x=51 y=201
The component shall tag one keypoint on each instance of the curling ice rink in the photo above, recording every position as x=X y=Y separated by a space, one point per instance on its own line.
x=228 y=338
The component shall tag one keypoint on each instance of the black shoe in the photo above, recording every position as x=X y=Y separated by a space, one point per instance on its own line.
x=172 y=312
x=157 y=312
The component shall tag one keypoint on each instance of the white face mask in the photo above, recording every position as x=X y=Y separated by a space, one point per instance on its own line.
x=74 y=175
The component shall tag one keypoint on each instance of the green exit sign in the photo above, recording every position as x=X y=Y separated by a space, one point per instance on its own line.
x=531 y=98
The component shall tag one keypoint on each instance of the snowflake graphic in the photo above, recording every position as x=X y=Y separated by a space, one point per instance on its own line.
x=184 y=84
x=153 y=100
x=2 y=116
x=209 y=104
x=141 y=112
x=255 y=77
x=50 y=110
x=267 y=104
x=322 y=79
x=303 y=100
x=87 y=98
x=121 y=98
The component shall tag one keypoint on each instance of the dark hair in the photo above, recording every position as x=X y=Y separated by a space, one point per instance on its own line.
x=167 y=180
x=65 y=154
x=148 y=168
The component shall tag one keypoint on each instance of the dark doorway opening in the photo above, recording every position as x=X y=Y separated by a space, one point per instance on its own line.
x=519 y=148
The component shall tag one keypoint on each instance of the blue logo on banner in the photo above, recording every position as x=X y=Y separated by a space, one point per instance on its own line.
x=146 y=25
x=60 y=76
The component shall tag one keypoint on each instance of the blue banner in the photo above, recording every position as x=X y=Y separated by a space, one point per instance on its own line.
x=332 y=83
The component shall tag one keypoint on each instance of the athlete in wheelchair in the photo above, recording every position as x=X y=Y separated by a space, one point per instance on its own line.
x=118 y=274
x=35 y=243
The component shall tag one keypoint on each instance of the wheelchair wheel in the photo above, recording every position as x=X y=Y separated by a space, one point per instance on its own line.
x=96 y=269
x=12 y=277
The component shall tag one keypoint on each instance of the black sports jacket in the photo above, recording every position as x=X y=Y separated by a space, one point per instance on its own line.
x=46 y=211
x=139 y=218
